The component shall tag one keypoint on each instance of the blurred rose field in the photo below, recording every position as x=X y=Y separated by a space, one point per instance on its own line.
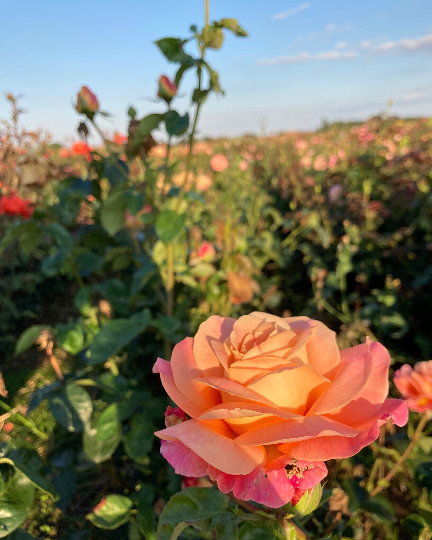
x=214 y=338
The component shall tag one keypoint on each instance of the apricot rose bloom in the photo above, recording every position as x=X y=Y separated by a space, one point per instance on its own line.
x=416 y=385
x=269 y=400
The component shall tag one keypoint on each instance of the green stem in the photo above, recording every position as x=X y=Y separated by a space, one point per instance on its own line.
x=116 y=165
x=197 y=110
x=23 y=420
x=170 y=247
x=166 y=164
x=418 y=432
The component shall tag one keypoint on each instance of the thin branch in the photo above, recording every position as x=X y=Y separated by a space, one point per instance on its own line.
x=420 y=427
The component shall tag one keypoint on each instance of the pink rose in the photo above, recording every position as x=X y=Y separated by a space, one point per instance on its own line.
x=268 y=400
x=218 y=162
x=416 y=385
x=320 y=163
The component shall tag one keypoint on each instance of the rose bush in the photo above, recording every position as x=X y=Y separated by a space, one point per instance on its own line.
x=270 y=399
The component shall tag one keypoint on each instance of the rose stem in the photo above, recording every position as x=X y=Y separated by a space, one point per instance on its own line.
x=420 y=427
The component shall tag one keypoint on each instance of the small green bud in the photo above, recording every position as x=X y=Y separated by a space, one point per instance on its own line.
x=307 y=503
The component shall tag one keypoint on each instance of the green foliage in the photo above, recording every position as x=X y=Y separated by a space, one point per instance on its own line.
x=115 y=335
x=123 y=263
x=189 y=506
x=16 y=500
x=169 y=225
x=111 y=512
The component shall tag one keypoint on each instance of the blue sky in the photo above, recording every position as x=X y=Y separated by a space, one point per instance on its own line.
x=304 y=61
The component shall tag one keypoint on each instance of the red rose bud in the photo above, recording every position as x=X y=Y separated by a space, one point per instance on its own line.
x=167 y=89
x=87 y=102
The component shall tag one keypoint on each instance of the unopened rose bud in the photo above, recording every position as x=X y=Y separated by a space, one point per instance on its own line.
x=87 y=102
x=306 y=501
x=206 y=252
x=167 y=89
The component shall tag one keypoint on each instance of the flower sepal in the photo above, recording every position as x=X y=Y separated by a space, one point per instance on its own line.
x=304 y=502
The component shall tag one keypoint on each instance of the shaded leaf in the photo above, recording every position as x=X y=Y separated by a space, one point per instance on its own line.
x=111 y=512
x=116 y=335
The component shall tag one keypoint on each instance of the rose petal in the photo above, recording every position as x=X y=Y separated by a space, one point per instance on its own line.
x=294 y=430
x=216 y=446
x=214 y=328
x=247 y=371
x=230 y=387
x=333 y=447
x=241 y=409
x=185 y=371
x=351 y=377
x=323 y=350
x=272 y=344
x=242 y=327
x=271 y=488
x=371 y=397
x=164 y=369
x=291 y=388
x=395 y=410
x=184 y=461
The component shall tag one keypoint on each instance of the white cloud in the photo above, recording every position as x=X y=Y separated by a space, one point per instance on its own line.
x=341 y=45
x=330 y=27
x=292 y=11
x=415 y=96
x=420 y=43
x=305 y=57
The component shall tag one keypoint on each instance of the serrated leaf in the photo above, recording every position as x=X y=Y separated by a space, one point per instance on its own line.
x=131 y=112
x=53 y=264
x=146 y=126
x=138 y=441
x=169 y=225
x=61 y=235
x=26 y=460
x=80 y=401
x=116 y=335
x=16 y=501
x=29 y=337
x=99 y=451
x=113 y=213
x=172 y=49
x=64 y=413
x=71 y=337
x=176 y=124
x=192 y=504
